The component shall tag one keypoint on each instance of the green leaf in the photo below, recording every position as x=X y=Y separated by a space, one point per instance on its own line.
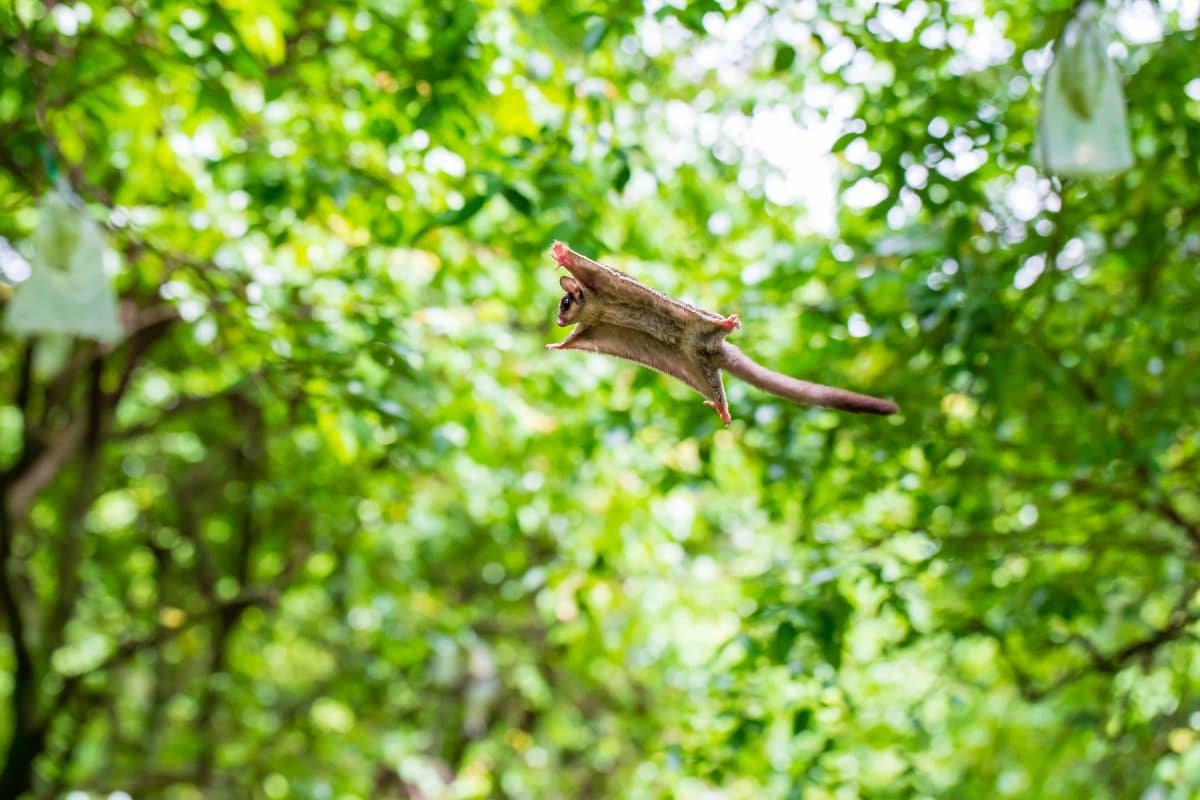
x=785 y=57
x=455 y=217
x=843 y=141
x=597 y=29
x=621 y=179
x=347 y=505
x=520 y=203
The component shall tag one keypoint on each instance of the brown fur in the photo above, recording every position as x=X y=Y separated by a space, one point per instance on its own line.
x=616 y=315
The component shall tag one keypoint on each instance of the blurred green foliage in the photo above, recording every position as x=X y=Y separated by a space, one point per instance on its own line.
x=330 y=523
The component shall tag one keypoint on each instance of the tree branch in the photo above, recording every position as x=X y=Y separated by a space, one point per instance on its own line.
x=25 y=379
x=1099 y=662
x=261 y=596
x=39 y=470
x=45 y=467
x=26 y=735
x=71 y=546
x=180 y=406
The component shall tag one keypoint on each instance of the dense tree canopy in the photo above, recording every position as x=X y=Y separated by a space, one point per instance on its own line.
x=329 y=522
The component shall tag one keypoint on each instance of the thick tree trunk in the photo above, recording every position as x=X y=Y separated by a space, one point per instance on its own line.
x=17 y=775
x=28 y=739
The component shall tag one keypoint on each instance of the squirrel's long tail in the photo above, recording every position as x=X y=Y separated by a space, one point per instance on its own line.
x=735 y=362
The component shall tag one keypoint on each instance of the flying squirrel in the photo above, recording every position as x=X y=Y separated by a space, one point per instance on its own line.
x=614 y=314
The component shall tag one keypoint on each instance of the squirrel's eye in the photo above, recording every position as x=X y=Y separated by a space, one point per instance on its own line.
x=566 y=303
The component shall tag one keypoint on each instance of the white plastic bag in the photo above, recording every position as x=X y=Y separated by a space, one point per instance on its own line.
x=1083 y=130
x=67 y=290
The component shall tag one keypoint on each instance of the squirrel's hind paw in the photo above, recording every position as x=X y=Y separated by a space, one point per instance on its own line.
x=722 y=411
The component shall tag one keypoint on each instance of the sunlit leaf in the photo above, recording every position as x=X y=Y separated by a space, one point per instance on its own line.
x=593 y=35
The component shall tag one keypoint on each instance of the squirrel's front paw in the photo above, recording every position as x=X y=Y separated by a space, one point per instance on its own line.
x=561 y=253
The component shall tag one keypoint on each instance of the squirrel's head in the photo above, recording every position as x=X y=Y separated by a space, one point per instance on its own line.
x=570 y=307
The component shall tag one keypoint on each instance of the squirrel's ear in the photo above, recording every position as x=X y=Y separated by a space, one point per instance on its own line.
x=570 y=286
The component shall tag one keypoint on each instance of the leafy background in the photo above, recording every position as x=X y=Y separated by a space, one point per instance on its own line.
x=330 y=523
